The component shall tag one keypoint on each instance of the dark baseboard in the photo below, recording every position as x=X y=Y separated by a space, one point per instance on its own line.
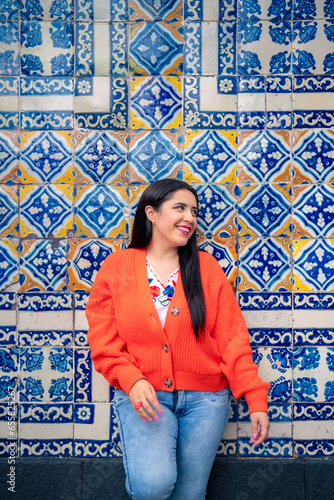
x=231 y=479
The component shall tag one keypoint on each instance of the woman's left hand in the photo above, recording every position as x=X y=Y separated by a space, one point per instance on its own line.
x=259 y=419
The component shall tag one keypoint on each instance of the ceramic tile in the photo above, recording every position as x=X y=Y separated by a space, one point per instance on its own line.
x=264 y=47
x=217 y=210
x=46 y=157
x=101 y=103
x=155 y=102
x=309 y=382
x=100 y=211
x=9 y=48
x=45 y=10
x=264 y=301
x=8 y=335
x=312 y=156
x=224 y=250
x=169 y=10
x=9 y=10
x=46 y=211
x=10 y=267
x=313 y=336
x=43 y=265
x=265 y=9
x=312 y=211
x=313 y=265
x=95 y=10
x=156 y=48
x=208 y=105
x=154 y=155
x=313 y=301
x=313 y=411
x=264 y=264
x=264 y=210
x=8 y=424
x=9 y=154
x=210 y=156
x=8 y=211
x=85 y=258
x=100 y=157
x=203 y=10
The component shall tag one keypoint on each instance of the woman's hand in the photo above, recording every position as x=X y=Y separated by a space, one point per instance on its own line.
x=143 y=392
x=259 y=419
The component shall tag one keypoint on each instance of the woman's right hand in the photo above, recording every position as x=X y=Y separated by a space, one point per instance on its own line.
x=143 y=392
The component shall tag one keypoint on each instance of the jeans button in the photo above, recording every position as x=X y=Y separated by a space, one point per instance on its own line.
x=168 y=382
x=165 y=347
x=175 y=311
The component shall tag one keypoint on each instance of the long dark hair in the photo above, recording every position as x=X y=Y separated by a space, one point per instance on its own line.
x=155 y=195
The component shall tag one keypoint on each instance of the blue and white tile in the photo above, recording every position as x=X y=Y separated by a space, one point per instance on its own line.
x=207 y=105
x=312 y=212
x=264 y=47
x=224 y=251
x=313 y=267
x=9 y=106
x=9 y=48
x=277 y=412
x=313 y=319
x=8 y=335
x=9 y=10
x=46 y=374
x=313 y=411
x=9 y=373
x=101 y=103
x=311 y=383
x=45 y=319
x=46 y=429
x=218 y=210
x=8 y=421
x=95 y=431
x=97 y=10
x=279 y=102
x=45 y=10
x=10 y=263
x=9 y=221
x=46 y=103
x=265 y=9
x=146 y=10
x=312 y=429
x=210 y=10
x=101 y=49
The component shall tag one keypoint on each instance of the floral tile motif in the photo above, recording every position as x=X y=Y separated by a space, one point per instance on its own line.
x=316 y=36
x=271 y=448
x=265 y=301
x=313 y=411
x=9 y=10
x=101 y=103
x=53 y=10
x=313 y=336
x=264 y=210
x=9 y=106
x=43 y=265
x=313 y=268
x=264 y=47
x=208 y=11
x=46 y=374
x=46 y=210
x=101 y=49
x=46 y=157
x=313 y=301
x=156 y=49
x=313 y=209
x=9 y=48
x=224 y=251
x=9 y=263
x=9 y=157
x=309 y=382
x=209 y=105
x=264 y=156
x=314 y=447
x=154 y=155
x=94 y=10
x=8 y=211
x=210 y=156
x=47 y=48
x=100 y=157
x=218 y=210
x=85 y=258
x=155 y=103
x=100 y=211
x=262 y=9
x=146 y=10
x=9 y=371
x=312 y=156
x=264 y=264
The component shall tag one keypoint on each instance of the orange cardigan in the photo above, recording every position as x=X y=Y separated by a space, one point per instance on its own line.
x=128 y=342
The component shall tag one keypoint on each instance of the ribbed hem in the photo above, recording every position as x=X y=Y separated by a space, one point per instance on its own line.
x=257 y=399
x=128 y=377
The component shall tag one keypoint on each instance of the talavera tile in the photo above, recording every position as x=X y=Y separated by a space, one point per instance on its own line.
x=313 y=268
x=224 y=250
x=218 y=210
x=8 y=211
x=262 y=9
x=8 y=333
x=9 y=259
x=169 y=10
x=95 y=10
x=45 y=10
x=9 y=156
x=310 y=383
x=313 y=208
x=9 y=53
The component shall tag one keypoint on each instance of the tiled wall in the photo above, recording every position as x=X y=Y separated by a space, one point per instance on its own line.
x=99 y=98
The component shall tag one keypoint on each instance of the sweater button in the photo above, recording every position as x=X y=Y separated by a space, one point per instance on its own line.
x=168 y=382
x=165 y=347
x=175 y=311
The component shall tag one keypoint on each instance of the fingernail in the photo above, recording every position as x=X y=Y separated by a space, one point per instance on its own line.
x=144 y=419
x=160 y=410
x=158 y=401
x=150 y=420
x=254 y=436
x=156 y=417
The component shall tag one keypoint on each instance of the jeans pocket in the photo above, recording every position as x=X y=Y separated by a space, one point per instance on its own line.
x=120 y=397
x=218 y=396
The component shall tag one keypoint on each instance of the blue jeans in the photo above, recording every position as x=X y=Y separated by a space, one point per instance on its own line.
x=172 y=458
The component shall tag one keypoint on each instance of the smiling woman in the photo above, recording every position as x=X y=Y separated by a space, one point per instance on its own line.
x=166 y=331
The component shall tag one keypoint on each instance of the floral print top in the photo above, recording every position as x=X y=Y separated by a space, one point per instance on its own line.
x=161 y=294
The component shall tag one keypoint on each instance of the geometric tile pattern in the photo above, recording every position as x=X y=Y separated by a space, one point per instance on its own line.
x=99 y=99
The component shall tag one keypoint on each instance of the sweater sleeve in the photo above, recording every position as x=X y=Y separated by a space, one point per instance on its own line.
x=237 y=360
x=108 y=350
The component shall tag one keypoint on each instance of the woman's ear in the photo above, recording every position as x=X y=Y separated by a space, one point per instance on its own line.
x=150 y=213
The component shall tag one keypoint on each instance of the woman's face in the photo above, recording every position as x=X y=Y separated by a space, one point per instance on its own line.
x=175 y=221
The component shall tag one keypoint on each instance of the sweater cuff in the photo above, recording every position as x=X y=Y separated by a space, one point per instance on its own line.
x=257 y=399
x=129 y=376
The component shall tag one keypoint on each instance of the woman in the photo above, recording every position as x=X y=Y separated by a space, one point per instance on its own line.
x=166 y=331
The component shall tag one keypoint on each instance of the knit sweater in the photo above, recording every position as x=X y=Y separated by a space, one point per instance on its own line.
x=128 y=342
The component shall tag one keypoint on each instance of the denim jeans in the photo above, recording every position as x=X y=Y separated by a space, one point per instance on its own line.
x=172 y=458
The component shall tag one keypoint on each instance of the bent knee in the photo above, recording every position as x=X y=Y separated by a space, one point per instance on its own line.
x=153 y=487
